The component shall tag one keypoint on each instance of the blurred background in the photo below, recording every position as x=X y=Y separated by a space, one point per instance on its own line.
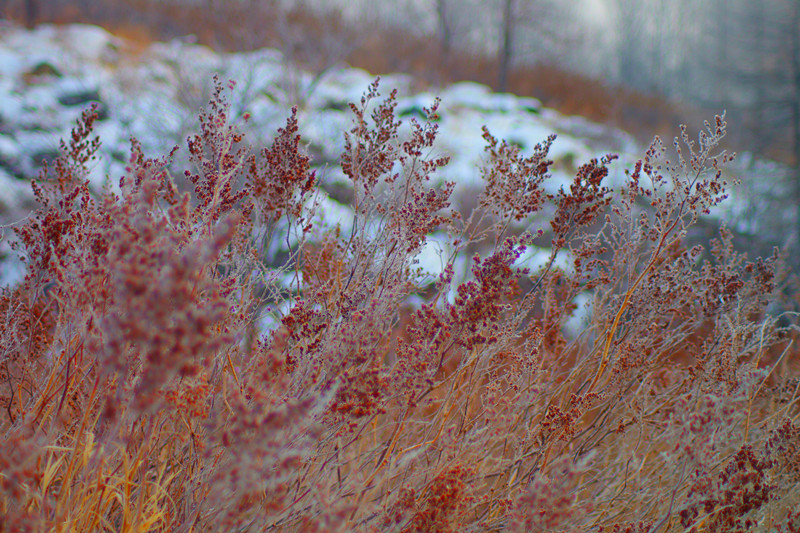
x=644 y=66
x=635 y=62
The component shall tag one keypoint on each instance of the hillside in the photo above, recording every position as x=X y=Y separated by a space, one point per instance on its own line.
x=50 y=75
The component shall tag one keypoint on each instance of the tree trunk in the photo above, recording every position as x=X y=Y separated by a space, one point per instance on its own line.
x=795 y=110
x=504 y=61
x=445 y=34
x=31 y=13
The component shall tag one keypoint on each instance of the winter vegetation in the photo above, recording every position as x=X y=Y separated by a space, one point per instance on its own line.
x=215 y=332
x=643 y=66
x=153 y=93
x=139 y=392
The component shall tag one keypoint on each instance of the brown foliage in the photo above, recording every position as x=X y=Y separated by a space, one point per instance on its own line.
x=143 y=391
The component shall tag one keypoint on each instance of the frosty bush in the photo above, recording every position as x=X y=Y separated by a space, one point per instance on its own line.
x=141 y=389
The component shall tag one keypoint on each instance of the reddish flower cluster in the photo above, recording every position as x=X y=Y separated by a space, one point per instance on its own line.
x=280 y=179
x=437 y=507
x=513 y=182
x=727 y=502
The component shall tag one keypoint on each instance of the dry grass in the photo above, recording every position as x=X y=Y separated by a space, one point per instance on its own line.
x=139 y=395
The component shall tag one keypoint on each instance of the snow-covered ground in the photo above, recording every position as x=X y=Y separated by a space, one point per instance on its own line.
x=48 y=76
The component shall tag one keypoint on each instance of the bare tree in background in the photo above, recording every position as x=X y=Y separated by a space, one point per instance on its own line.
x=764 y=82
x=444 y=26
x=541 y=22
x=507 y=36
x=31 y=13
x=791 y=28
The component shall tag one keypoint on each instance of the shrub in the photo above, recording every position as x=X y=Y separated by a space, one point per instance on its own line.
x=143 y=387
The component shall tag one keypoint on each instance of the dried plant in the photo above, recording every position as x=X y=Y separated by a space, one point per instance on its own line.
x=142 y=391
